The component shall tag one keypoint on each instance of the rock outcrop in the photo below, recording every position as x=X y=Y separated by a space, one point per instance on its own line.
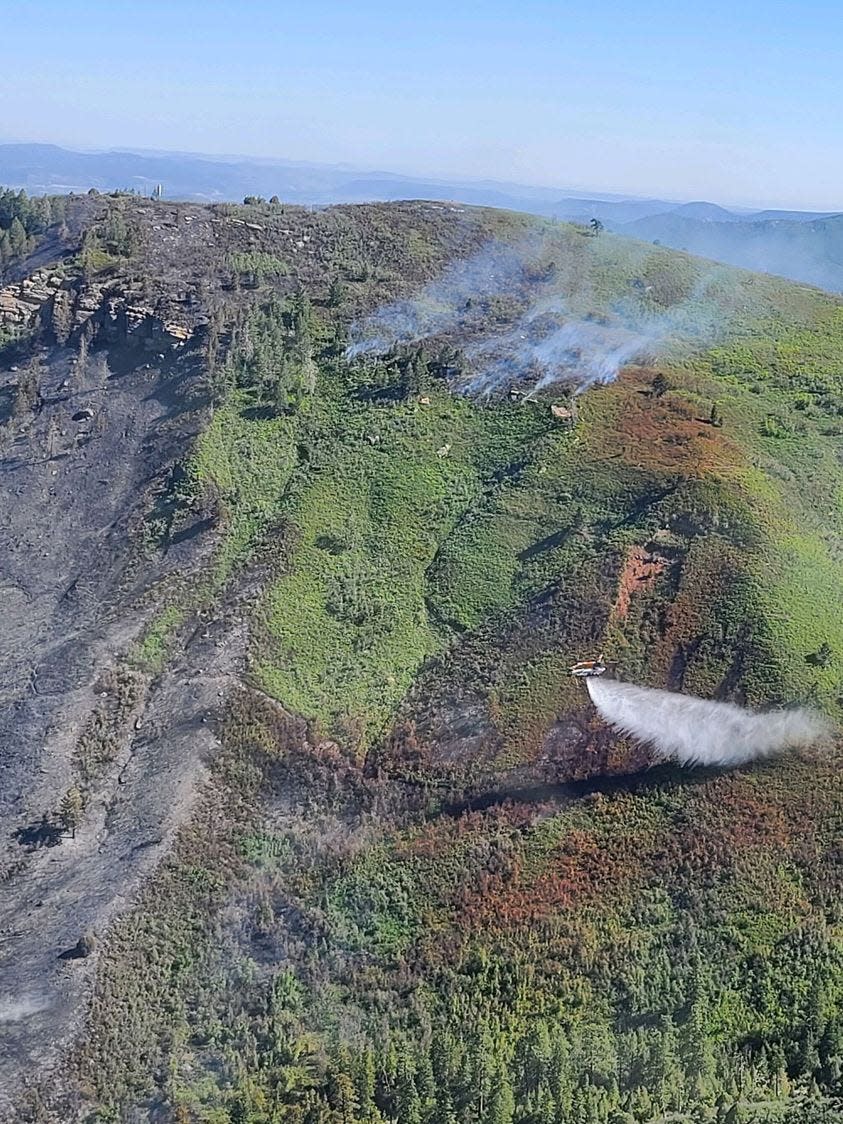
x=68 y=304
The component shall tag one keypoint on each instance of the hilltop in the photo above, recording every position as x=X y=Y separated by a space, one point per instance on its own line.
x=801 y=245
x=303 y=818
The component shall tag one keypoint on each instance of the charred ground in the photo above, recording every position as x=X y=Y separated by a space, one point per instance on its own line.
x=290 y=634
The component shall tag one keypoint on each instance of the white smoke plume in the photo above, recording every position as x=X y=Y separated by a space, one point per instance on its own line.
x=554 y=335
x=555 y=348
x=694 y=731
x=445 y=304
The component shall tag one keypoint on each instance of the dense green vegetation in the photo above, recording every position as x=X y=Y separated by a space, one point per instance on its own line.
x=22 y=219
x=392 y=903
x=641 y=953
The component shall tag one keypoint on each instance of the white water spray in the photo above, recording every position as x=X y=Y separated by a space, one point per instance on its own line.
x=695 y=731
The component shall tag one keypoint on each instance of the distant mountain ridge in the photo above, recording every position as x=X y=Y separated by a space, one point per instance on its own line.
x=809 y=251
x=44 y=168
x=40 y=168
x=802 y=245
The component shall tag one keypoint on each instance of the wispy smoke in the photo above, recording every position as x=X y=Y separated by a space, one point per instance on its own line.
x=695 y=731
x=14 y=1009
x=550 y=347
x=452 y=301
x=804 y=251
x=517 y=317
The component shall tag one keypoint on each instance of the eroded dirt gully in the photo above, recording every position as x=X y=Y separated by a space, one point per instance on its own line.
x=77 y=585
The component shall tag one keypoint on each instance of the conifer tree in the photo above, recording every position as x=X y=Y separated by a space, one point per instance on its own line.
x=425 y=1082
x=28 y=394
x=344 y=1098
x=696 y=1052
x=558 y=1072
x=336 y=293
x=407 y=1101
x=364 y=1080
x=501 y=1099
x=70 y=810
x=17 y=238
x=61 y=319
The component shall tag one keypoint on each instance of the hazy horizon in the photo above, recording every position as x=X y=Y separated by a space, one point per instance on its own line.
x=736 y=106
x=566 y=189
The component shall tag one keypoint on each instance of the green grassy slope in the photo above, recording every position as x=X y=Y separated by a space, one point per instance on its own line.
x=399 y=908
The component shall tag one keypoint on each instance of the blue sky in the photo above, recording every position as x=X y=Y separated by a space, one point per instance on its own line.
x=739 y=102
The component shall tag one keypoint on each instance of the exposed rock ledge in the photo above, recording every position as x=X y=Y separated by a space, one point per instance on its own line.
x=65 y=304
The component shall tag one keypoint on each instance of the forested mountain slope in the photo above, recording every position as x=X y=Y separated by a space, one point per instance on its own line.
x=303 y=817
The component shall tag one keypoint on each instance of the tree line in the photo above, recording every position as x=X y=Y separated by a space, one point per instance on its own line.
x=23 y=219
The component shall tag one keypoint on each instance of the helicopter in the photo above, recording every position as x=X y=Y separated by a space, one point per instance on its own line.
x=588 y=669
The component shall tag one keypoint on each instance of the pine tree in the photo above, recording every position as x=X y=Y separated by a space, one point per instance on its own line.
x=70 y=810
x=501 y=1099
x=445 y=1062
x=61 y=319
x=425 y=1082
x=300 y=315
x=599 y=1055
x=696 y=1052
x=558 y=1073
x=407 y=1102
x=336 y=293
x=17 y=238
x=91 y=256
x=239 y=1111
x=664 y=1079
x=808 y=1056
x=831 y=1055
x=42 y=213
x=118 y=235
x=641 y=1103
x=344 y=1098
x=443 y=1111
x=533 y=1059
x=28 y=393
x=364 y=1080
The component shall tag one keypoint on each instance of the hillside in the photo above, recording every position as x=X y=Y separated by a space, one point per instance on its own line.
x=303 y=817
